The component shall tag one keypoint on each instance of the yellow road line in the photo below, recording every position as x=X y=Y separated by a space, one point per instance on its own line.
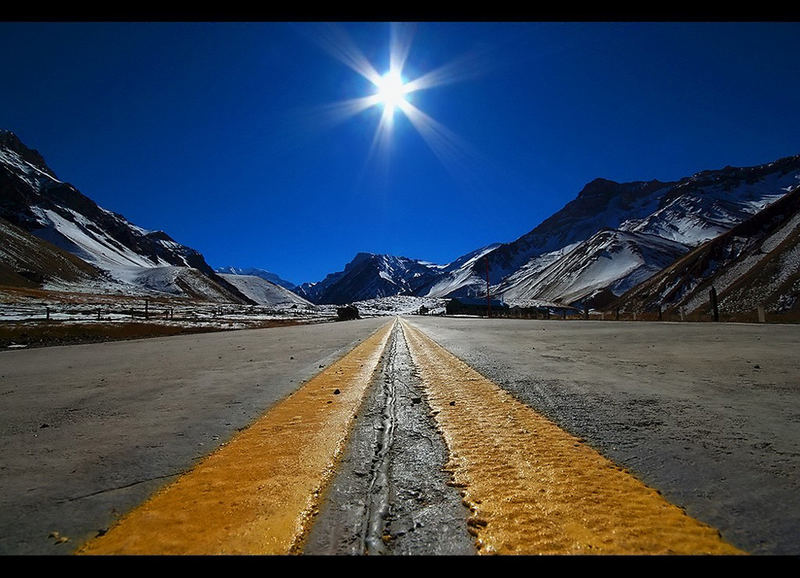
x=535 y=489
x=258 y=493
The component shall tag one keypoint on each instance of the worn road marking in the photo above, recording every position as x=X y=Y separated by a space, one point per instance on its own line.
x=257 y=494
x=535 y=489
x=390 y=495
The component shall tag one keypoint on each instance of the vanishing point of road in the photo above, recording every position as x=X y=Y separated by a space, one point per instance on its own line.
x=420 y=435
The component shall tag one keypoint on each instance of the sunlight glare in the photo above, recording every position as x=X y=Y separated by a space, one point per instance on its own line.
x=391 y=91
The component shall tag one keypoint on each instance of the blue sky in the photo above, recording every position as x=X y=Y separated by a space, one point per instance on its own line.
x=217 y=133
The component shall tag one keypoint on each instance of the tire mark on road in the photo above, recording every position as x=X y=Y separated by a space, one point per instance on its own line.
x=535 y=489
x=390 y=494
x=377 y=507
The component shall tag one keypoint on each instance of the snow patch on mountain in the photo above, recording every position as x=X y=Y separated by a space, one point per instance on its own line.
x=459 y=278
x=609 y=259
x=255 y=271
x=705 y=212
x=85 y=239
x=264 y=292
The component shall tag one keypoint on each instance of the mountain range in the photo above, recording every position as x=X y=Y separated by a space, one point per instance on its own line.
x=609 y=239
x=612 y=240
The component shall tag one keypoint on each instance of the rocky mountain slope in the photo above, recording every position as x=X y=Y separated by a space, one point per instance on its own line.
x=132 y=259
x=756 y=263
x=265 y=292
x=27 y=261
x=256 y=272
x=368 y=276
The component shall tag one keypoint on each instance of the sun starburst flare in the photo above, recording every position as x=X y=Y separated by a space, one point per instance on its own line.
x=392 y=90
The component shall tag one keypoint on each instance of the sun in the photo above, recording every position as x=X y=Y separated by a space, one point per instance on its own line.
x=391 y=91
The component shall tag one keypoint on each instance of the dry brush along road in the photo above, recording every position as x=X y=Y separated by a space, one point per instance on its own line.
x=407 y=436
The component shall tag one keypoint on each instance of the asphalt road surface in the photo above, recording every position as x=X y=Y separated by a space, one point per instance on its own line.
x=708 y=414
x=87 y=432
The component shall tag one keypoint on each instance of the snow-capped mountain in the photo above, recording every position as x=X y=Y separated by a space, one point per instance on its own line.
x=755 y=263
x=610 y=259
x=602 y=204
x=256 y=272
x=36 y=201
x=610 y=238
x=464 y=277
x=265 y=292
x=368 y=276
x=653 y=224
x=710 y=203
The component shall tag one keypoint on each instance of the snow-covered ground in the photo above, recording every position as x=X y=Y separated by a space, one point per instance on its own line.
x=83 y=308
x=172 y=313
x=399 y=305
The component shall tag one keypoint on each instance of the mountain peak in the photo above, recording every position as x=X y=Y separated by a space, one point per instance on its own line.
x=10 y=141
x=606 y=187
x=598 y=186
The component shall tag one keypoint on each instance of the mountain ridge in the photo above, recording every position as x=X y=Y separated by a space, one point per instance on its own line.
x=37 y=202
x=607 y=240
x=660 y=220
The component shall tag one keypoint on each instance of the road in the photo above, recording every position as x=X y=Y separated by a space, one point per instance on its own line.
x=707 y=414
x=89 y=431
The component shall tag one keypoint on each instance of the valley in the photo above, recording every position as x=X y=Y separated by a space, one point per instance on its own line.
x=154 y=404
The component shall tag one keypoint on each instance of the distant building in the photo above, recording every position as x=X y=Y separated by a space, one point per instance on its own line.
x=474 y=306
x=533 y=309
x=347 y=313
